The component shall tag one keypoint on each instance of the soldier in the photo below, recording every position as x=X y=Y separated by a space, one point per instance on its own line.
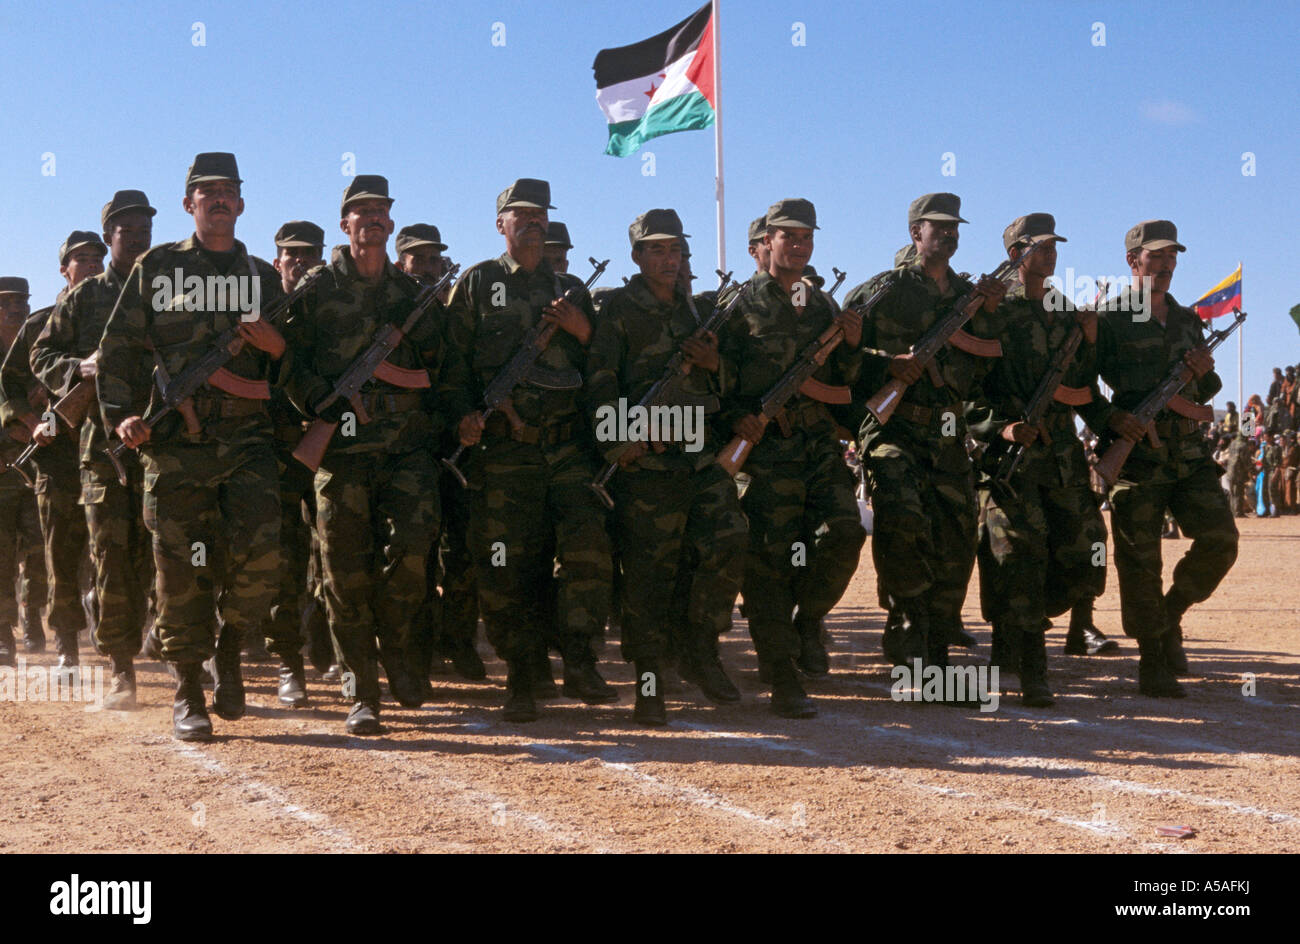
x=64 y=356
x=211 y=487
x=1290 y=464
x=681 y=532
x=1135 y=350
x=377 y=488
x=759 y=248
x=1040 y=532
x=531 y=503
x=22 y=557
x=805 y=535
x=922 y=491
x=556 y=248
x=58 y=482
x=419 y=252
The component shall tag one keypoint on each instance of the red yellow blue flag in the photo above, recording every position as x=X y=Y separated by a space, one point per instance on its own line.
x=1223 y=298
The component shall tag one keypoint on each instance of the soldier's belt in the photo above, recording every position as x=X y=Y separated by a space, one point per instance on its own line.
x=375 y=402
x=224 y=408
x=801 y=413
x=498 y=427
x=1174 y=426
x=920 y=415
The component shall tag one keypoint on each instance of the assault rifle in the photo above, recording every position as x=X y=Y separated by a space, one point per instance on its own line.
x=1168 y=394
x=521 y=367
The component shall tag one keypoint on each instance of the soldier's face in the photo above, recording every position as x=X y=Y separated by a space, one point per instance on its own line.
x=1042 y=263
x=128 y=236
x=81 y=264
x=293 y=262
x=761 y=254
x=1159 y=264
x=423 y=263
x=367 y=223
x=660 y=260
x=791 y=248
x=935 y=239
x=14 y=309
x=557 y=257
x=523 y=227
x=215 y=205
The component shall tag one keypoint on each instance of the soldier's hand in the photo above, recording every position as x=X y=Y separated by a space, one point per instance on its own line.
x=851 y=322
x=633 y=452
x=44 y=433
x=133 y=431
x=470 y=429
x=264 y=336
x=993 y=291
x=702 y=352
x=1021 y=433
x=569 y=317
x=1087 y=320
x=89 y=366
x=1126 y=425
x=750 y=428
x=1200 y=360
x=906 y=367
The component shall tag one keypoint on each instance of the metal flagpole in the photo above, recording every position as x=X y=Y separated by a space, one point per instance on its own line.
x=1241 y=334
x=717 y=143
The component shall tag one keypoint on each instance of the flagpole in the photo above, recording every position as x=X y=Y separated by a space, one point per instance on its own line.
x=1241 y=334
x=718 y=191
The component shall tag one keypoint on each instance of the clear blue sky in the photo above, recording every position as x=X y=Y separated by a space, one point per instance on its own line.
x=1153 y=124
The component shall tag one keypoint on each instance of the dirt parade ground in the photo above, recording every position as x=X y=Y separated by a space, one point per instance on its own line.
x=1100 y=772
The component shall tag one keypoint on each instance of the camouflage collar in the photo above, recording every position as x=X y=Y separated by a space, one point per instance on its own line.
x=342 y=260
x=916 y=269
x=511 y=266
x=639 y=291
x=191 y=242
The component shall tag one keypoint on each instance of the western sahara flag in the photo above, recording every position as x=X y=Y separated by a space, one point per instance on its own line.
x=659 y=85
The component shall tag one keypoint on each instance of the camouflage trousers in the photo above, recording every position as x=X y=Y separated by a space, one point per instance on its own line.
x=1191 y=491
x=375 y=515
x=805 y=539
x=283 y=628
x=63 y=529
x=214 y=513
x=541 y=553
x=924 y=531
x=1240 y=478
x=449 y=617
x=1041 y=551
x=22 y=553
x=121 y=552
x=681 y=542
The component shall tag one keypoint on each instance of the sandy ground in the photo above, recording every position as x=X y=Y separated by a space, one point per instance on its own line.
x=1097 y=773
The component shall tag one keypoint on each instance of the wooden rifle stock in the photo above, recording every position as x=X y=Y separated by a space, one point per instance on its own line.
x=73 y=405
x=1110 y=464
x=311 y=450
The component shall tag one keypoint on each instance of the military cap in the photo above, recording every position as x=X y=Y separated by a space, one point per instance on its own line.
x=1033 y=228
x=758 y=229
x=792 y=213
x=299 y=233
x=1153 y=234
x=655 y=224
x=212 y=165
x=525 y=192
x=935 y=206
x=686 y=248
x=419 y=234
x=125 y=200
x=557 y=234
x=13 y=285
x=365 y=187
x=78 y=238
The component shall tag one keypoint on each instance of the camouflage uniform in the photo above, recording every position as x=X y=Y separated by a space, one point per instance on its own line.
x=283 y=627
x=377 y=502
x=63 y=524
x=22 y=557
x=119 y=543
x=680 y=528
x=217 y=487
x=1133 y=357
x=1241 y=473
x=800 y=490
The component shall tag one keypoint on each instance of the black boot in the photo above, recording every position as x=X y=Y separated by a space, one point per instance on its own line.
x=190 y=721
x=363 y=719
x=69 y=651
x=581 y=680
x=293 y=681
x=650 y=709
x=813 y=659
x=1172 y=640
x=469 y=665
x=1085 y=639
x=121 y=692
x=891 y=641
x=542 y=677
x=1005 y=651
x=520 y=707
x=402 y=685
x=789 y=700
x=914 y=622
x=1034 y=692
x=706 y=671
x=228 y=695
x=1154 y=677
x=33 y=631
x=957 y=636
x=255 y=648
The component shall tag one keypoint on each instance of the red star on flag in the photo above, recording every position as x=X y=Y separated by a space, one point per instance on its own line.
x=651 y=93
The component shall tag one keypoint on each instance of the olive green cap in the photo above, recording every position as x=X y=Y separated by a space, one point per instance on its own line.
x=945 y=207
x=300 y=233
x=1031 y=228
x=655 y=224
x=419 y=234
x=13 y=285
x=557 y=234
x=212 y=165
x=78 y=238
x=792 y=213
x=365 y=187
x=758 y=229
x=125 y=200
x=1153 y=234
x=525 y=192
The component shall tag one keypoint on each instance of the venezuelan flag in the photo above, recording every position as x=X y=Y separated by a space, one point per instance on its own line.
x=1221 y=299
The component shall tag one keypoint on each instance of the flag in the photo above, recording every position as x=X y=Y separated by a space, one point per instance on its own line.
x=659 y=85
x=1221 y=299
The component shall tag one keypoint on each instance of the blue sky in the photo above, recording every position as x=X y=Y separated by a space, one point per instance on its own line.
x=1037 y=117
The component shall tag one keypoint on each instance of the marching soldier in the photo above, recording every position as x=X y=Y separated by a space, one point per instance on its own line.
x=1135 y=351
x=556 y=248
x=530 y=472
x=805 y=535
x=211 y=484
x=680 y=530
x=63 y=357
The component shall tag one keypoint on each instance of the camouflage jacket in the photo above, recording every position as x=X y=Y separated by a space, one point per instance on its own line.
x=334 y=323
x=1031 y=335
x=907 y=311
x=492 y=306
x=760 y=343
x=636 y=336
x=1271 y=456
x=20 y=387
x=1133 y=357
x=151 y=311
